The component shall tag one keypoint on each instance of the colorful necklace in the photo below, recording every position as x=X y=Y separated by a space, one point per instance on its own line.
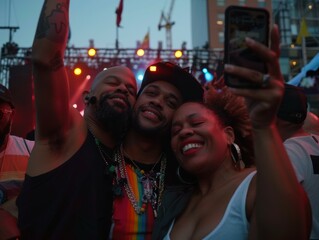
x=110 y=166
x=152 y=183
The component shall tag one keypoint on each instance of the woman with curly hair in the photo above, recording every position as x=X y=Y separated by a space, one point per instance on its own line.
x=231 y=198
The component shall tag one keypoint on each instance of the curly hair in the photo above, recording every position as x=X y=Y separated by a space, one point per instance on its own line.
x=231 y=110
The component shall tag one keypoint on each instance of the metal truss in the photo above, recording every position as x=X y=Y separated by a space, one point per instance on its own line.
x=194 y=59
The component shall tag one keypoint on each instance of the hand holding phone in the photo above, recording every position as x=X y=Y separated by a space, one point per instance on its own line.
x=242 y=22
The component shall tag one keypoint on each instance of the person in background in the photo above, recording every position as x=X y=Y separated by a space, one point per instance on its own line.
x=14 y=156
x=67 y=192
x=145 y=165
x=302 y=147
x=311 y=123
x=229 y=200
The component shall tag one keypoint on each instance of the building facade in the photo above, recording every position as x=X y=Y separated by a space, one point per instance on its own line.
x=208 y=27
x=298 y=22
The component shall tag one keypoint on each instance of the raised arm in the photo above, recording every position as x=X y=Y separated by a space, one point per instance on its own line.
x=50 y=78
x=281 y=209
x=60 y=129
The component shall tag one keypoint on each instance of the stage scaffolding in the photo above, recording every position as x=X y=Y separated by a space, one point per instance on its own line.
x=196 y=59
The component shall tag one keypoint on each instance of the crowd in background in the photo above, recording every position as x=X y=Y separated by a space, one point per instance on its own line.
x=170 y=160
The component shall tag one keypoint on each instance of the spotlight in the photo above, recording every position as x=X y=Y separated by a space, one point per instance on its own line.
x=178 y=54
x=140 y=52
x=91 y=52
x=208 y=76
x=77 y=71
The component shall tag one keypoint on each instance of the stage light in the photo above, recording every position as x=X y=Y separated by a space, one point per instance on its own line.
x=91 y=52
x=140 y=52
x=153 y=68
x=208 y=76
x=293 y=63
x=9 y=49
x=178 y=54
x=77 y=71
x=140 y=77
x=309 y=6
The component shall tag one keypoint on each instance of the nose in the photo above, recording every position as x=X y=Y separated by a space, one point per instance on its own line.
x=123 y=89
x=157 y=101
x=186 y=132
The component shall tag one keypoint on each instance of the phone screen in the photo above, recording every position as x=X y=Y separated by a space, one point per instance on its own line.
x=244 y=22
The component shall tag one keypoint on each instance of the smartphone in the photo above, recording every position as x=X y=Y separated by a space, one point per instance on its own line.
x=241 y=22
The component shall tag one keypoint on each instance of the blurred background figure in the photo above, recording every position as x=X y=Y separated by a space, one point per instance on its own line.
x=311 y=123
x=14 y=156
x=302 y=145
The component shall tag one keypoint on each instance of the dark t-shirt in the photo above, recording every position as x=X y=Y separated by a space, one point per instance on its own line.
x=73 y=201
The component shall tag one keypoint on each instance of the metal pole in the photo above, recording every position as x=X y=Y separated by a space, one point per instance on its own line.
x=304 y=51
x=117 y=38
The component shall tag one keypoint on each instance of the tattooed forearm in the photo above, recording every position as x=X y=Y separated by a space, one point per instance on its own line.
x=56 y=62
x=53 y=25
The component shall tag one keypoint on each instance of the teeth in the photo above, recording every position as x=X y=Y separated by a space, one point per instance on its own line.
x=151 y=113
x=119 y=99
x=190 y=146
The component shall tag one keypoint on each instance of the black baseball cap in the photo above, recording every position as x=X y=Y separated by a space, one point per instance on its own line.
x=293 y=107
x=5 y=95
x=186 y=83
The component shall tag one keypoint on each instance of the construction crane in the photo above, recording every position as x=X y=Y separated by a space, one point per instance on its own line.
x=165 y=21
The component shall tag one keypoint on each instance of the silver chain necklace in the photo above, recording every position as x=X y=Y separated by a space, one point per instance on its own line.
x=148 y=180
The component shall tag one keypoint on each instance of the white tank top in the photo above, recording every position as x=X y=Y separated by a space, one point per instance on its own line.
x=234 y=224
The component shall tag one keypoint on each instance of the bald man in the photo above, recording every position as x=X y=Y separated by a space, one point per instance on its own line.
x=67 y=193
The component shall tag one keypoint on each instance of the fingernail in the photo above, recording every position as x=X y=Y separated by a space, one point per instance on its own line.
x=228 y=67
x=249 y=40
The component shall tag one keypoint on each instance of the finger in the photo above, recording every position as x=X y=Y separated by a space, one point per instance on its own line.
x=263 y=51
x=268 y=55
x=246 y=73
x=275 y=40
x=270 y=95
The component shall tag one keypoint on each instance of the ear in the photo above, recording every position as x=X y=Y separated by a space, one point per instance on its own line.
x=230 y=135
x=85 y=96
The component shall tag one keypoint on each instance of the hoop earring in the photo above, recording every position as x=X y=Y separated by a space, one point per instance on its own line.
x=235 y=153
x=178 y=172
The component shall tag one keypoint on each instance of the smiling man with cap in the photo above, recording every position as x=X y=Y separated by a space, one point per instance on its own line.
x=301 y=146
x=145 y=164
x=187 y=84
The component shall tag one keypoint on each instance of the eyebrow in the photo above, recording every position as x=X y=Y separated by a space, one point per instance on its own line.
x=170 y=95
x=188 y=117
x=119 y=79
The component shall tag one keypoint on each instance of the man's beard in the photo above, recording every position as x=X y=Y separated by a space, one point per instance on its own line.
x=116 y=123
x=161 y=130
x=5 y=132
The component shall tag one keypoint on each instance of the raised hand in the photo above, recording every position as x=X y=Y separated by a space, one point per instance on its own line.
x=263 y=102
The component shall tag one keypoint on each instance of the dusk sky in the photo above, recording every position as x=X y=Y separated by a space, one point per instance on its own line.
x=96 y=19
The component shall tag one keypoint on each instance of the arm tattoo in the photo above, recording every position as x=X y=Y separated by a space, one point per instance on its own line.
x=53 y=26
x=56 y=62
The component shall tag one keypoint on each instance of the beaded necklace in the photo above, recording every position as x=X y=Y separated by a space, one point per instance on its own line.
x=110 y=165
x=152 y=183
x=135 y=165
